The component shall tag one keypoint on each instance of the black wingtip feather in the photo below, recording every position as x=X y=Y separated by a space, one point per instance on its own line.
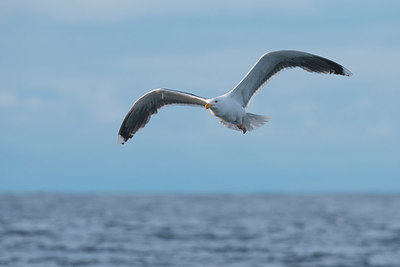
x=335 y=67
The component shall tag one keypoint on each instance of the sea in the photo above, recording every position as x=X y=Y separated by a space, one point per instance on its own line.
x=177 y=230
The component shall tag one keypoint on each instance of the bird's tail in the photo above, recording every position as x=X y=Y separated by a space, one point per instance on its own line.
x=254 y=121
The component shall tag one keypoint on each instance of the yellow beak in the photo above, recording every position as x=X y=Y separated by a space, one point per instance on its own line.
x=208 y=105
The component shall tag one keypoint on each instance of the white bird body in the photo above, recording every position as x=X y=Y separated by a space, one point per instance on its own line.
x=229 y=107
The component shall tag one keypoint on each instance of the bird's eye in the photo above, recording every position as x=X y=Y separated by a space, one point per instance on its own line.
x=216 y=101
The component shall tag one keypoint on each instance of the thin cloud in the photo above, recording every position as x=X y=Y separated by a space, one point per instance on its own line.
x=10 y=100
x=7 y=99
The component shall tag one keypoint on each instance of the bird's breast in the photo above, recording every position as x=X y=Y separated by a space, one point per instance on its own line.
x=230 y=114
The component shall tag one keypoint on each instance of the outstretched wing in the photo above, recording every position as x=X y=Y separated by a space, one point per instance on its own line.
x=271 y=63
x=149 y=104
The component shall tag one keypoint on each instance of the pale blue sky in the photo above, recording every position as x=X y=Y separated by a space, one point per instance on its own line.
x=70 y=70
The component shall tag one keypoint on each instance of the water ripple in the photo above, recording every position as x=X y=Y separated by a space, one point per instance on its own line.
x=219 y=230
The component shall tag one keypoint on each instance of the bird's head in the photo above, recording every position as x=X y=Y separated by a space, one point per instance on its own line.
x=213 y=104
x=217 y=105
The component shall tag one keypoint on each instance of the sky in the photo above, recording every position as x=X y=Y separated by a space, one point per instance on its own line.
x=71 y=70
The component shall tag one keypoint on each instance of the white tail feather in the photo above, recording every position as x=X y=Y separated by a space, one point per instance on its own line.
x=253 y=121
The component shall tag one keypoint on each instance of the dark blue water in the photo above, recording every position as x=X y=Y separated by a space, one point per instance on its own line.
x=217 y=230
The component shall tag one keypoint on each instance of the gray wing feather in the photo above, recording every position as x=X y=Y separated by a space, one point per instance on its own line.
x=271 y=63
x=141 y=111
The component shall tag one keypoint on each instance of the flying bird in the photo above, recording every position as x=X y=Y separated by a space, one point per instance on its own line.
x=229 y=107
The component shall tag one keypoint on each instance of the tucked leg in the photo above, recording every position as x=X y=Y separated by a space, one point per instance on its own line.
x=241 y=127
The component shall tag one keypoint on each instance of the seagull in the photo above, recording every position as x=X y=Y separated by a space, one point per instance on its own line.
x=229 y=107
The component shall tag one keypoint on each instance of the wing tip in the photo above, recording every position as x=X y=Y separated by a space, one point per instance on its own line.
x=346 y=72
x=121 y=140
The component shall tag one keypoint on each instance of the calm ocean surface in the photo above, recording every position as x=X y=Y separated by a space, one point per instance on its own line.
x=206 y=230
